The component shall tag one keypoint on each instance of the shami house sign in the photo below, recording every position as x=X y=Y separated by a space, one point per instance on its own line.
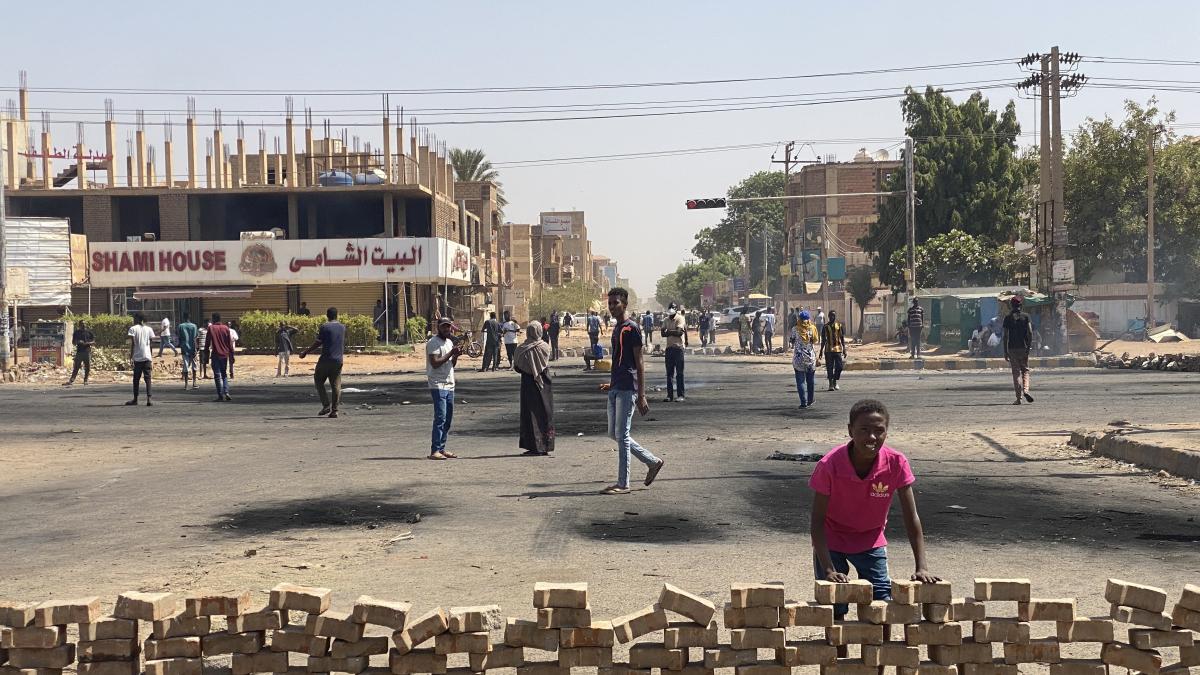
x=275 y=261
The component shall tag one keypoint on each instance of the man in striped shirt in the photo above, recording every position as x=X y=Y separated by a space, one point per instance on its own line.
x=916 y=322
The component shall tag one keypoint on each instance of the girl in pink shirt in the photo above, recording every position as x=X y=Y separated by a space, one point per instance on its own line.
x=852 y=492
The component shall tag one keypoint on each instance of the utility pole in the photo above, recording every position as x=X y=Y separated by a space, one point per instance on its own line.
x=1045 y=191
x=1150 y=230
x=1059 y=233
x=4 y=343
x=789 y=217
x=910 y=204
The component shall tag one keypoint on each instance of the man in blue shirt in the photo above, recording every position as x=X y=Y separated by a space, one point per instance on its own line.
x=331 y=338
x=647 y=327
x=626 y=389
x=593 y=327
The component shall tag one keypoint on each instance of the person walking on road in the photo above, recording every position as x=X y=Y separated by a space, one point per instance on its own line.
x=703 y=326
x=187 y=348
x=648 y=328
x=165 y=338
x=1018 y=340
x=743 y=328
x=769 y=329
x=833 y=348
x=511 y=329
x=220 y=345
x=537 y=394
x=757 y=331
x=555 y=328
x=675 y=337
x=491 y=343
x=567 y=322
x=331 y=339
x=140 y=355
x=83 y=339
x=441 y=356
x=593 y=327
x=626 y=391
x=916 y=323
x=819 y=320
x=804 y=358
x=201 y=343
x=283 y=348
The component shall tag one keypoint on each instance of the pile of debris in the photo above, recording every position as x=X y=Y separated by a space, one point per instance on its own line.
x=1188 y=363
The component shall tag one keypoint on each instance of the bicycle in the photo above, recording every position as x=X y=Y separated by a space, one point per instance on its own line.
x=463 y=337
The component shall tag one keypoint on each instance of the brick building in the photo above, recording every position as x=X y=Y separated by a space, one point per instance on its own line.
x=846 y=219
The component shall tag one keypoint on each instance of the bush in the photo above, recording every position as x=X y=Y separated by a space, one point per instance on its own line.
x=112 y=330
x=256 y=330
x=416 y=327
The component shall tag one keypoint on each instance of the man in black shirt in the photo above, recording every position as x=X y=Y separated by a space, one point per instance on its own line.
x=331 y=338
x=491 y=343
x=1018 y=340
x=83 y=340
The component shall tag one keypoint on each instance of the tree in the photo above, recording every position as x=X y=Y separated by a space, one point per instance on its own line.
x=574 y=297
x=860 y=284
x=957 y=259
x=667 y=290
x=473 y=166
x=760 y=219
x=966 y=171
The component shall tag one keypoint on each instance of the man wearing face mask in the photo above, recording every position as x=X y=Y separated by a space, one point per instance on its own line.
x=674 y=332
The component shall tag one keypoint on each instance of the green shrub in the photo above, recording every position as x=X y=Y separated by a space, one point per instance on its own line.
x=416 y=327
x=256 y=330
x=111 y=330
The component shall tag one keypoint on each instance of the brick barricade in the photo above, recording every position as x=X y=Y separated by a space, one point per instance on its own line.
x=295 y=632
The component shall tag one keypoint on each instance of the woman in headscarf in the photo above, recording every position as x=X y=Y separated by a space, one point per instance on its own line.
x=804 y=357
x=532 y=360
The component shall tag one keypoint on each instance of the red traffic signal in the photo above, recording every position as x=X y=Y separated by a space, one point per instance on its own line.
x=713 y=203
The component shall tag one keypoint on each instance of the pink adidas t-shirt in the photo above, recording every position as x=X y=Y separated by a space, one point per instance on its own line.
x=858 y=507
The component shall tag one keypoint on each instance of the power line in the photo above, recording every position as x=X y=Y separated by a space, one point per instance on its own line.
x=509 y=89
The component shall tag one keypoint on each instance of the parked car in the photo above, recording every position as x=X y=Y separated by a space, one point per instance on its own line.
x=729 y=315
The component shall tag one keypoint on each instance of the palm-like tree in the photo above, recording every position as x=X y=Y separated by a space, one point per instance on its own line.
x=474 y=166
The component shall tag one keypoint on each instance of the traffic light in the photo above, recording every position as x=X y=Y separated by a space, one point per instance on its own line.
x=713 y=203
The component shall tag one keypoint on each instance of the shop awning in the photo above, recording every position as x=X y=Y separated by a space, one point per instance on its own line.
x=180 y=293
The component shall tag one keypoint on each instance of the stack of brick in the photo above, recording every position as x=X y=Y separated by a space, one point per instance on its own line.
x=565 y=609
x=35 y=637
x=1010 y=629
x=181 y=642
x=407 y=656
x=1152 y=630
x=698 y=631
x=754 y=616
x=109 y=645
x=173 y=646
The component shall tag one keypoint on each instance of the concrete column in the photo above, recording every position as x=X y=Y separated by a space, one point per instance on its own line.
x=139 y=142
x=291 y=154
x=110 y=147
x=310 y=174
x=389 y=215
x=192 y=164
x=151 y=179
x=169 y=158
x=293 y=224
x=387 y=149
x=129 y=171
x=428 y=176
x=81 y=166
x=11 y=168
x=239 y=169
x=208 y=171
x=218 y=161
x=400 y=178
x=416 y=157
x=47 y=177
x=278 y=169
x=262 y=165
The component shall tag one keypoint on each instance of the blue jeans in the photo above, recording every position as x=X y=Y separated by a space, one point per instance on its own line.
x=220 y=364
x=805 y=378
x=166 y=341
x=443 y=415
x=870 y=565
x=621 y=404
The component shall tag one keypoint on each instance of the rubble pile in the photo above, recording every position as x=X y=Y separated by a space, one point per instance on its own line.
x=295 y=632
x=1187 y=363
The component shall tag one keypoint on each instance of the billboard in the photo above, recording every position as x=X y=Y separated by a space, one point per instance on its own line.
x=556 y=225
x=42 y=248
x=278 y=261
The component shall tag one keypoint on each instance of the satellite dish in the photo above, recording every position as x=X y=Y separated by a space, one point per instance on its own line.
x=881 y=155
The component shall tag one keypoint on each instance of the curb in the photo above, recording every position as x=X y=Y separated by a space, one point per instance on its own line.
x=969 y=364
x=1176 y=461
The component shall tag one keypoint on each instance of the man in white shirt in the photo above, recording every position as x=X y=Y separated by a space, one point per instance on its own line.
x=769 y=328
x=441 y=355
x=140 y=355
x=510 y=329
x=165 y=339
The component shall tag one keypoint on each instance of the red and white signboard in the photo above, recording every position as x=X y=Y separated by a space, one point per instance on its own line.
x=278 y=261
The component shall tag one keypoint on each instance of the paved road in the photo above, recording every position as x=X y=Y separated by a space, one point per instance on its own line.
x=97 y=497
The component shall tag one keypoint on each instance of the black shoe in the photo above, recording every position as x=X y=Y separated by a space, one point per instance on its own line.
x=1029 y=397
x=669 y=399
x=333 y=415
x=68 y=383
x=324 y=412
x=133 y=402
x=148 y=403
x=227 y=398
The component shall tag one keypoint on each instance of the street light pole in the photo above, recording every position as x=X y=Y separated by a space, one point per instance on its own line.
x=4 y=341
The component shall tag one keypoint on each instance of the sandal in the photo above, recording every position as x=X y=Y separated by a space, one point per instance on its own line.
x=615 y=490
x=449 y=455
x=437 y=455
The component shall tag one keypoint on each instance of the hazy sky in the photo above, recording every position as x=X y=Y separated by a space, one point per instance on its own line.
x=635 y=207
